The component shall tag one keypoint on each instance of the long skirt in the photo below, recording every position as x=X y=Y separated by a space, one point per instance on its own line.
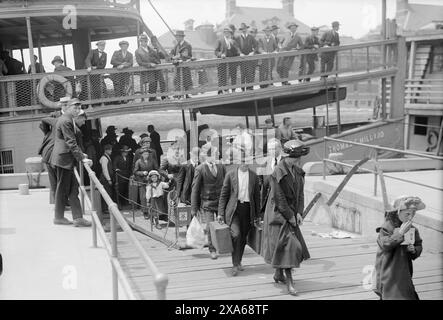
x=283 y=245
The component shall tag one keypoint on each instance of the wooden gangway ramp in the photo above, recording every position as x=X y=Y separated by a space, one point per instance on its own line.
x=338 y=268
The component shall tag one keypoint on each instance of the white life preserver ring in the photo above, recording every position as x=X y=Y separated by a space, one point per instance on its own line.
x=432 y=139
x=44 y=82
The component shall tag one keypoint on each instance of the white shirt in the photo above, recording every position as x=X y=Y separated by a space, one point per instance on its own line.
x=243 y=185
x=156 y=191
x=228 y=43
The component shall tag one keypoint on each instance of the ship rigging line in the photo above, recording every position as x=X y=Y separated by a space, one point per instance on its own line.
x=158 y=13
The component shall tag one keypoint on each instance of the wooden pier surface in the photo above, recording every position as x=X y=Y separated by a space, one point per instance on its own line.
x=337 y=270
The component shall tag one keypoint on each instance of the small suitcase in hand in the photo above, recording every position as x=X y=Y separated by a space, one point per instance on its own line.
x=221 y=237
x=255 y=238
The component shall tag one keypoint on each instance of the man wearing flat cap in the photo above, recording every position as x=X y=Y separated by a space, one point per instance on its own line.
x=292 y=42
x=312 y=42
x=226 y=47
x=180 y=53
x=149 y=56
x=64 y=157
x=248 y=46
x=330 y=38
x=97 y=59
x=121 y=59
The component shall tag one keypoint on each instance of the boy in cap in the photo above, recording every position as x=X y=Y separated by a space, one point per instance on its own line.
x=292 y=42
x=311 y=42
x=59 y=90
x=121 y=59
x=330 y=38
x=97 y=59
x=225 y=47
x=399 y=243
x=180 y=53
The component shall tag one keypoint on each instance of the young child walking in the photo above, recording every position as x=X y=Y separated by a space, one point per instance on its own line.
x=155 y=195
x=399 y=243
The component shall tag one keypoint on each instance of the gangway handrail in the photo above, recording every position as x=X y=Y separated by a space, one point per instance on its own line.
x=160 y=279
x=377 y=170
x=385 y=148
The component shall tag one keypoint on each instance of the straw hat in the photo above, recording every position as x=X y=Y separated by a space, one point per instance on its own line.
x=408 y=202
x=57 y=58
x=295 y=149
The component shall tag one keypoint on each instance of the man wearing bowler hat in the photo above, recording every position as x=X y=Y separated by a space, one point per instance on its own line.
x=97 y=59
x=180 y=53
x=121 y=59
x=248 y=46
x=330 y=38
x=226 y=47
x=292 y=42
x=64 y=157
x=127 y=139
x=313 y=43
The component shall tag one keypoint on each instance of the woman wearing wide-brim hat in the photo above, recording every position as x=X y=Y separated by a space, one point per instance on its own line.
x=283 y=244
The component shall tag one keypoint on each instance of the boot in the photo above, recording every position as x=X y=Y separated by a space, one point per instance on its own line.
x=290 y=283
x=278 y=276
x=157 y=225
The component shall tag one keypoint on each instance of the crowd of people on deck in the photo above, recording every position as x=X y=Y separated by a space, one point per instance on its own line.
x=231 y=44
x=233 y=193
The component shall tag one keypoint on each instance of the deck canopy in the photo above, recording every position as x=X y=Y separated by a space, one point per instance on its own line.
x=105 y=20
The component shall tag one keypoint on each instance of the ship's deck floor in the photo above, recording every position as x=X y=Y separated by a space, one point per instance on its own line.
x=42 y=261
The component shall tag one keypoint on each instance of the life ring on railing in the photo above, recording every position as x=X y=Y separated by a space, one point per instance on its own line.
x=45 y=81
x=432 y=139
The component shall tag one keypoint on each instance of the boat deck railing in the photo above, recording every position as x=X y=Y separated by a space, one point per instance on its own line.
x=123 y=4
x=116 y=218
x=245 y=77
x=424 y=91
x=373 y=152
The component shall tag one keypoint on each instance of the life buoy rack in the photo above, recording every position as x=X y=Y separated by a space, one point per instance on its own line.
x=432 y=139
x=44 y=82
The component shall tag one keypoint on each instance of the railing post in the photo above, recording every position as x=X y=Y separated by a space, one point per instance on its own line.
x=114 y=250
x=82 y=184
x=161 y=282
x=375 y=173
x=324 y=159
x=94 y=225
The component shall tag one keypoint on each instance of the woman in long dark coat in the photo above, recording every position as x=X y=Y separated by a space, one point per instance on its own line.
x=283 y=246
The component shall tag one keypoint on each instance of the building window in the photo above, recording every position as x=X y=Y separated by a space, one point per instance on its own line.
x=420 y=126
x=6 y=162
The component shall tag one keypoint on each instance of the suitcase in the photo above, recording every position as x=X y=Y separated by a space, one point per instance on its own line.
x=255 y=238
x=221 y=237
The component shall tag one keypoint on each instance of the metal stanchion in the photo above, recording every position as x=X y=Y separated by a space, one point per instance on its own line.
x=114 y=251
x=94 y=225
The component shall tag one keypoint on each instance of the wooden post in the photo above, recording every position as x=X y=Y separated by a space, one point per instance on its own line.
x=30 y=44
x=406 y=131
x=412 y=60
x=184 y=120
x=272 y=110
x=397 y=97
x=193 y=130
x=39 y=45
x=64 y=54
x=337 y=89
x=23 y=59
x=257 y=123
x=247 y=122
x=383 y=50
x=439 y=138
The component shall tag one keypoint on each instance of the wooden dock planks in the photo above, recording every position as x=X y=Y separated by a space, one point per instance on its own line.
x=335 y=271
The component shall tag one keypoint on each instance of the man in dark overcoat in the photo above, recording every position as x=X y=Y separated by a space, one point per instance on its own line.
x=182 y=52
x=155 y=141
x=148 y=56
x=292 y=42
x=97 y=59
x=226 y=47
x=64 y=157
x=248 y=46
x=206 y=188
x=121 y=60
x=313 y=43
x=267 y=44
x=186 y=176
x=330 y=38
x=239 y=206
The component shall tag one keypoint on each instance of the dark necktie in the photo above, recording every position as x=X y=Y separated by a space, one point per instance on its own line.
x=275 y=161
x=213 y=169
